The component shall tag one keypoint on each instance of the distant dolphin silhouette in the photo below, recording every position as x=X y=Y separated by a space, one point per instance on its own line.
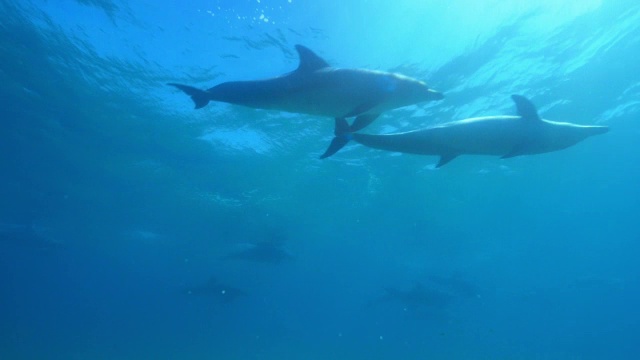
x=505 y=136
x=319 y=89
x=30 y=235
x=265 y=252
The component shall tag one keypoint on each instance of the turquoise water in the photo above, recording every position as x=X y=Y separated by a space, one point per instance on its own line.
x=119 y=201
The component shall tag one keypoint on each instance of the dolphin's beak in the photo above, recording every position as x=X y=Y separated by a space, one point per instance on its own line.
x=597 y=130
x=435 y=95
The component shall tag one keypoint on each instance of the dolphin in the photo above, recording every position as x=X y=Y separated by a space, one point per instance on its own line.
x=318 y=89
x=30 y=235
x=504 y=136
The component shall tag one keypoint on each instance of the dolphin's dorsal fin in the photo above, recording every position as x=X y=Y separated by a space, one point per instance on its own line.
x=525 y=108
x=309 y=61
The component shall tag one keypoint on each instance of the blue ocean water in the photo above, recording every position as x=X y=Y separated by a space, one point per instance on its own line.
x=135 y=227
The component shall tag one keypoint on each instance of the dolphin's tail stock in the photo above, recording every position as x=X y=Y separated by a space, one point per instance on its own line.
x=343 y=135
x=199 y=97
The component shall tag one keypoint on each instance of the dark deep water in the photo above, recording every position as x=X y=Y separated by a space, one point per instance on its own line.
x=119 y=202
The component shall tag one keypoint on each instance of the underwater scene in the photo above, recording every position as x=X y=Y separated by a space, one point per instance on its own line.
x=297 y=179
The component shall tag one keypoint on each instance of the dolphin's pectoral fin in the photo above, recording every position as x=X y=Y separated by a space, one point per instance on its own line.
x=445 y=158
x=309 y=61
x=200 y=97
x=363 y=121
x=525 y=108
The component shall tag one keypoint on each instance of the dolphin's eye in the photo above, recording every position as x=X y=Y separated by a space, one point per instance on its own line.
x=387 y=84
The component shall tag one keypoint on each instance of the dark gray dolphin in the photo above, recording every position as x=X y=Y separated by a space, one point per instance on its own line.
x=505 y=136
x=319 y=89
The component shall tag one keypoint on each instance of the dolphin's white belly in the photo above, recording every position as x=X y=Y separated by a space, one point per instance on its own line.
x=497 y=135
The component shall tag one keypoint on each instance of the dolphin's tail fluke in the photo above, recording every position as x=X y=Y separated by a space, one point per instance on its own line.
x=343 y=136
x=199 y=97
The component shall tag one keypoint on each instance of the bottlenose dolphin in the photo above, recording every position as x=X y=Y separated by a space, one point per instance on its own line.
x=505 y=136
x=319 y=89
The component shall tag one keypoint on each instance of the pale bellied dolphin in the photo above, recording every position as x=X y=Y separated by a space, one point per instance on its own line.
x=505 y=136
x=319 y=89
